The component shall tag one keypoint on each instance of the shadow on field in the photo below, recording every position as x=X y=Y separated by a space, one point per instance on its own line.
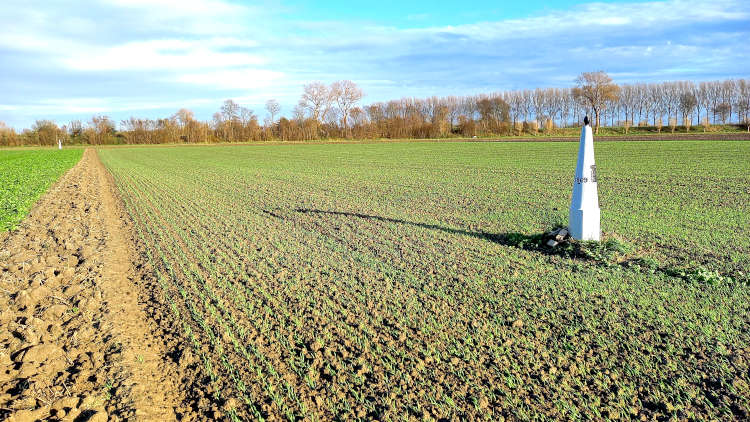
x=517 y=240
x=608 y=252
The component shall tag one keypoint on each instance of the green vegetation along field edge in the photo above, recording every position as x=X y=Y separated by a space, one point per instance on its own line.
x=25 y=176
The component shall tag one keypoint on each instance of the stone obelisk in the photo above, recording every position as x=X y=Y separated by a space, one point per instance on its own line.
x=584 y=207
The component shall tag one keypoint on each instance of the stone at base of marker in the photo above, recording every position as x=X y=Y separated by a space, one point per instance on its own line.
x=561 y=234
x=584 y=224
x=556 y=238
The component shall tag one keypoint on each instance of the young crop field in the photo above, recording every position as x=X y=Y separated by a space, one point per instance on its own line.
x=25 y=176
x=407 y=281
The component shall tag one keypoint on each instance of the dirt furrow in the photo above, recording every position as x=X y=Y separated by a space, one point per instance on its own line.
x=75 y=339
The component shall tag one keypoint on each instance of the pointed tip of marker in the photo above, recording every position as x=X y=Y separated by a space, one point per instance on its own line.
x=586 y=120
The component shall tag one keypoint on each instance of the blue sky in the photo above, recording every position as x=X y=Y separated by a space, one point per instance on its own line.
x=424 y=14
x=66 y=60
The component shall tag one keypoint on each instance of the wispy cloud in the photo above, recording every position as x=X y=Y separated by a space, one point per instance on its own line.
x=240 y=79
x=145 y=56
x=171 y=54
x=594 y=18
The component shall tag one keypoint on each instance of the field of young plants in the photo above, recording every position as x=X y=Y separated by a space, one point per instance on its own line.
x=25 y=176
x=407 y=281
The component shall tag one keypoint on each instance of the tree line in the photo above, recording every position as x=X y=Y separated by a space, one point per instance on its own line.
x=334 y=112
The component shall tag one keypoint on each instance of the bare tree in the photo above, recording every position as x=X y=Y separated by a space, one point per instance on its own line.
x=595 y=89
x=672 y=123
x=515 y=103
x=743 y=102
x=138 y=131
x=539 y=100
x=628 y=102
x=612 y=109
x=703 y=97
x=454 y=110
x=527 y=104
x=316 y=99
x=714 y=95
x=230 y=113
x=184 y=116
x=273 y=108
x=728 y=97
x=298 y=114
x=75 y=128
x=246 y=115
x=100 y=129
x=656 y=104
x=8 y=136
x=641 y=102
x=230 y=110
x=688 y=103
x=186 y=123
x=346 y=94
x=248 y=123
x=671 y=101
x=723 y=110
x=46 y=132
x=567 y=107
x=556 y=104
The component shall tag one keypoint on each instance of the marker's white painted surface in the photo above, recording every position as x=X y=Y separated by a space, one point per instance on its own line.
x=584 y=207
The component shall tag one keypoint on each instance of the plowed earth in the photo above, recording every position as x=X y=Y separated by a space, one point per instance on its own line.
x=75 y=341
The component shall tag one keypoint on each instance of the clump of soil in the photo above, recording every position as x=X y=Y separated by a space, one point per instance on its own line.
x=74 y=342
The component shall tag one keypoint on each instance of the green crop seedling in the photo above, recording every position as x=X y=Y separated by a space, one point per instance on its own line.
x=407 y=281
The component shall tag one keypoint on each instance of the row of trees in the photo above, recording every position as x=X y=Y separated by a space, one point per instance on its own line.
x=704 y=103
x=334 y=111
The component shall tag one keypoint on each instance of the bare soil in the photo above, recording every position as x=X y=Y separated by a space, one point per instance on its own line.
x=77 y=339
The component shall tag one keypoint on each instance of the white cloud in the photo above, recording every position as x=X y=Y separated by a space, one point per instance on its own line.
x=128 y=55
x=614 y=20
x=53 y=29
x=86 y=106
x=591 y=16
x=172 y=54
x=180 y=7
x=237 y=79
x=188 y=16
x=206 y=39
